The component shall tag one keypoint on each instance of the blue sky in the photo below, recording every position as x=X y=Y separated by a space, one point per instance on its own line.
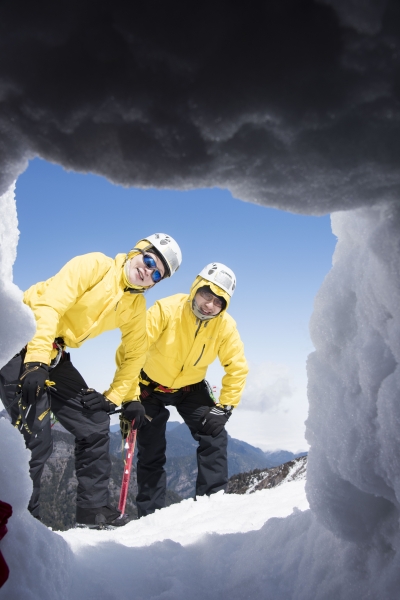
x=279 y=258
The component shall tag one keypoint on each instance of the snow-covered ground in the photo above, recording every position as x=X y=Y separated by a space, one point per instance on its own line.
x=189 y=521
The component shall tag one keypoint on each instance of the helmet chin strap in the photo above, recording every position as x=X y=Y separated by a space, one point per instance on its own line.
x=199 y=314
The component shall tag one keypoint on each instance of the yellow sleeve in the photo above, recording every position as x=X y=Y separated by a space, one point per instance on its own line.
x=231 y=355
x=58 y=295
x=131 y=354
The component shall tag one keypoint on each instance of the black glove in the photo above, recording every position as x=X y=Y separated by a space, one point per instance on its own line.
x=92 y=400
x=32 y=382
x=214 y=420
x=134 y=410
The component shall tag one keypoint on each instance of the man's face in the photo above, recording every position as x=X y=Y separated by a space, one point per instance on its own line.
x=208 y=304
x=141 y=274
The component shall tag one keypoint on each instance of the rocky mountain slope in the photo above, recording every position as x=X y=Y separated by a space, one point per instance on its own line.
x=59 y=483
x=248 y=483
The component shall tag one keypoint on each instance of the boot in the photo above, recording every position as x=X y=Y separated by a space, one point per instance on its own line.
x=102 y=517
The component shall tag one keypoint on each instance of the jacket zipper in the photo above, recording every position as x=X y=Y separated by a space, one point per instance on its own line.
x=197 y=330
x=200 y=355
x=195 y=335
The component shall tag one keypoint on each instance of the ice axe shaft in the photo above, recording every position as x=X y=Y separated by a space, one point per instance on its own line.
x=130 y=443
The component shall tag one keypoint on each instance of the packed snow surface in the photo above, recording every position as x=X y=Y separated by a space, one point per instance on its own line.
x=190 y=520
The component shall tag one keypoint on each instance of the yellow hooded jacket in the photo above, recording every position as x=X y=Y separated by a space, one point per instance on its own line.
x=181 y=347
x=85 y=298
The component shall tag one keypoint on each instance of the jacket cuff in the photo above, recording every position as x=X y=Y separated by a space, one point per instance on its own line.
x=112 y=396
x=36 y=357
x=126 y=401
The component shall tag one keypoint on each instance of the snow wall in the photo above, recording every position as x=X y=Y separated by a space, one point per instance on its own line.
x=354 y=380
x=16 y=323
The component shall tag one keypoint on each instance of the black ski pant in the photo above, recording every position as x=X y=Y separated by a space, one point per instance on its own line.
x=212 y=460
x=91 y=431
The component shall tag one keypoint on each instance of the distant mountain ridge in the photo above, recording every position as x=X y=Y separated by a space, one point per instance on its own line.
x=248 y=483
x=279 y=457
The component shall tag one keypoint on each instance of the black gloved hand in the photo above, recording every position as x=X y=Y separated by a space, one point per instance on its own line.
x=32 y=382
x=94 y=401
x=134 y=410
x=214 y=420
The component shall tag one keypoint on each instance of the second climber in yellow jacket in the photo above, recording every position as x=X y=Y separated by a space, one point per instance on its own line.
x=89 y=295
x=186 y=332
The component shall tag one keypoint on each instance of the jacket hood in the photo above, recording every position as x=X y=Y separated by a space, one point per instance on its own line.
x=200 y=282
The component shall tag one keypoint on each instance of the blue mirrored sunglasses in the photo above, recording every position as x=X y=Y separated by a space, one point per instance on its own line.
x=151 y=264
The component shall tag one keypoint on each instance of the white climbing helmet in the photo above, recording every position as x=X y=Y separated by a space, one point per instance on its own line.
x=168 y=250
x=221 y=275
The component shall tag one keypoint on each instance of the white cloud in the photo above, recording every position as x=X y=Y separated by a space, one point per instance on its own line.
x=268 y=384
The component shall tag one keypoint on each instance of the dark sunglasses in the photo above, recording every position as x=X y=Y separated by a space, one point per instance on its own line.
x=151 y=264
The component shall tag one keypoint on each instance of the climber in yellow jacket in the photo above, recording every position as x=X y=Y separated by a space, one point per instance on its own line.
x=90 y=294
x=186 y=332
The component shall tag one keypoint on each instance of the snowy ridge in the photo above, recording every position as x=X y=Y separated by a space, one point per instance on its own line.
x=260 y=479
x=294 y=470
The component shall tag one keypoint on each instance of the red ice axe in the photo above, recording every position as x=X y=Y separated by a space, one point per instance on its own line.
x=130 y=450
